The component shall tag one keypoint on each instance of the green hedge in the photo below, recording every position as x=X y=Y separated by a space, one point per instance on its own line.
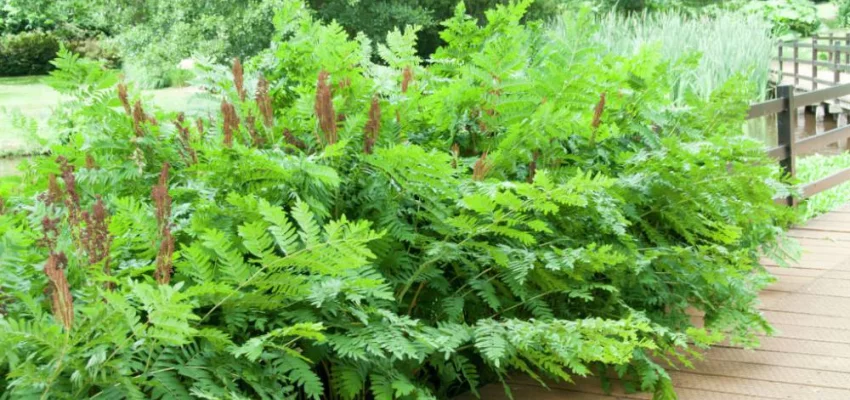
x=27 y=53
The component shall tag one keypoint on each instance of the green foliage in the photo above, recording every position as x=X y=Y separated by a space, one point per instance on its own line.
x=523 y=203
x=376 y=18
x=729 y=44
x=815 y=167
x=164 y=32
x=789 y=17
x=27 y=53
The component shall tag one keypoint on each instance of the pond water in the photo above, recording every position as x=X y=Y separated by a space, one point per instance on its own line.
x=9 y=165
x=805 y=125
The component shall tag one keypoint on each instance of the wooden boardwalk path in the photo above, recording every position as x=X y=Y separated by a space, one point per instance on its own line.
x=807 y=359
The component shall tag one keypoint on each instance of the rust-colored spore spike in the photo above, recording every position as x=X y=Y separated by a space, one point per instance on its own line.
x=72 y=201
x=264 y=102
x=90 y=164
x=292 y=140
x=481 y=168
x=597 y=117
x=60 y=293
x=164 y=262
x=139 y=118
x=239 y=78
x=532 y=166
x=373 y=126
x=251 y=124
x=2 y=206
x=455 y=154
x=49 y=233
x=199 y=123
x=95 y=237
x=230 y=124
x=161 y=199
x=188 y=152
x=324 y=109
x=597 y=112
x=407 y=77
x=125 y=100
x=54 y=193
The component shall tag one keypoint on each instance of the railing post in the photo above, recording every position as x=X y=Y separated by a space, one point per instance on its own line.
x=785 y=133
x=847 y=54
x=814 y=63
x=796 y=64
x=836 y=60
x=781 y=63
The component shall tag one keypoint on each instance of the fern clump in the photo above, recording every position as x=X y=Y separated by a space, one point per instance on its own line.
x=352 y=230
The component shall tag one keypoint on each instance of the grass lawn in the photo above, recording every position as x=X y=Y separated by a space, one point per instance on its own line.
x=31 y=98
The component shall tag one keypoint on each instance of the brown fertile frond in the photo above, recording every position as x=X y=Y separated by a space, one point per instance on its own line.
x=2 y=206
x=164 y=258
x=62 y=303
x=199 y=123
x=54 y=194
x=532 y=166
x=325 y=109
x=597 y=112
x=264 y=102
x=90 y=164
x=406 y=78
x=481 y=168
x=49 y=233
x=125 y=100
x=139 y=117
x=161 y=199
x=230 y=123
x=455 y=154
x=95 y=237
x=293 y=141
x=72 y=201
x=256 y=139
x=373 y=126
x=239 y=78
x=187 y=151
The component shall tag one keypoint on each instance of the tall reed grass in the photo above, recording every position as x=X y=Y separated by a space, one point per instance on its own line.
x=729 y=44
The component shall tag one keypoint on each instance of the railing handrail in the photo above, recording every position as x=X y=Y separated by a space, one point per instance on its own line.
x=784 y=106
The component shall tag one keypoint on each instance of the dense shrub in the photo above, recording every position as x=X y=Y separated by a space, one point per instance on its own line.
x=376 y=18
x=27 y=53
x=789 y=17
x=523 y=203
x=169 y=31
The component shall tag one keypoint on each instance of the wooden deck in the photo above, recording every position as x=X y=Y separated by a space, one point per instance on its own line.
x=808 y=358
x=804 y=82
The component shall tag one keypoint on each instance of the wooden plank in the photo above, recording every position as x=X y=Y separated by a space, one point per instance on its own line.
x=827 y=287
x=811 y=333
x=822 y=47
x=815 y=143
x=823 y=379
x=768 y=358
x=778 y=153
x=808 y=232
x=755 y=389
x=769 y=107
x=819 y=96
x=815 y=321
x=829 y=182
x=799 y=346
x=810 y=304
x=780 y=271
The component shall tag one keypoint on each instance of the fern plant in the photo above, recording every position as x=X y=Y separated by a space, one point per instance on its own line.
x=349 y=229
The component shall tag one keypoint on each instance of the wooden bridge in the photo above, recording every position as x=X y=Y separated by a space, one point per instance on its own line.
x=821 y=63
x=809 y=305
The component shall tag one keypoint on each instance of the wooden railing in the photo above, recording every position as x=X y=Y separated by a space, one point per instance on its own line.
x=838 y=46
x=784 y=106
